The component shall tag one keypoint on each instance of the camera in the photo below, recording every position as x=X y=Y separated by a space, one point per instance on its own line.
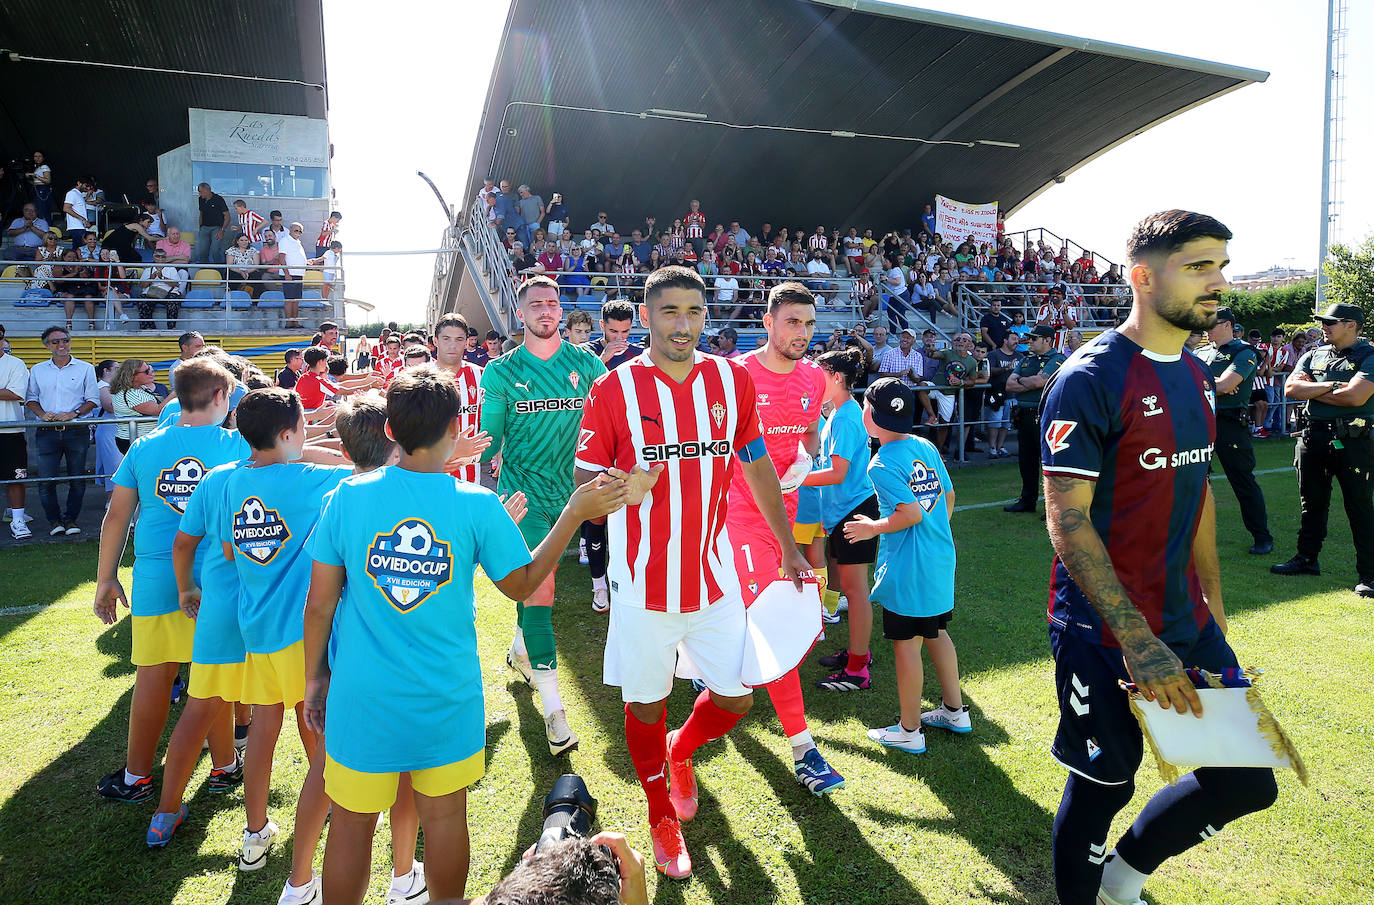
x=569 y=810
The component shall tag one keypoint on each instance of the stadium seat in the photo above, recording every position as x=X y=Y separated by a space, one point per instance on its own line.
x=210 y=280
x=313 y=278
x=188 y=236
x=272 y=298
x=311 y=298
x=146 y=254
x=200 y=298
x=240 y=299
x=9 y=275
x=34 y=298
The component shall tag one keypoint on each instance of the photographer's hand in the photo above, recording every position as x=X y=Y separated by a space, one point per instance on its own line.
x=633 y=888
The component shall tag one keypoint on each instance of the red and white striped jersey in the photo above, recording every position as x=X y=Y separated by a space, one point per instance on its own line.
x=818 y=240
x=671 y=552
x=251 y=223
x=326 y=234
x=696 y=224
x=1262 y=378
x=469 y=379
x=386 y=368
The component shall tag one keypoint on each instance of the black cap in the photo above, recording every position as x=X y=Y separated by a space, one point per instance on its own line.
x=1342 y=311
x=1224 y=314
x=893 y=404
x=1042 y=331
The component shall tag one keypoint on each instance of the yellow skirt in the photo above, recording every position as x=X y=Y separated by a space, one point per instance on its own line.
x=805 y=534
x=370 y=793
x=162 y=639
x=216 y=680
x=275 y=678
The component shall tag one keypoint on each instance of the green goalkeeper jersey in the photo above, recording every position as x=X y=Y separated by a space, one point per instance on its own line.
x=533 y=411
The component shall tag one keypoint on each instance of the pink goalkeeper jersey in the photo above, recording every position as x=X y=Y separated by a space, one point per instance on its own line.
x=789 y=405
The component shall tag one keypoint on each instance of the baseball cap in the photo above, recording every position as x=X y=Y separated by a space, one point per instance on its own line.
x=1226 y=315
x=906 y=330
x=1042 y=331
x=893 y=404
x=1342 y=311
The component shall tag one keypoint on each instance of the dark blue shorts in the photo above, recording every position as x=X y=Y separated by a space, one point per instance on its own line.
x=1098 y=737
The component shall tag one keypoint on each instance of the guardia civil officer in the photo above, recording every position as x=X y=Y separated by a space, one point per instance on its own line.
x=1234 y=364
x=1026 y=383
x=1336 y=380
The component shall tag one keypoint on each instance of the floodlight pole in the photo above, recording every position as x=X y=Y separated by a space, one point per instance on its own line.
x=1329 y=153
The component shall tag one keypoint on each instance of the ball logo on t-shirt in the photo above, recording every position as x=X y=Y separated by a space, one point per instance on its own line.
x=259 y=533
x=925 y=484
x=955 y=370
x=409 y=563
x=176 y=484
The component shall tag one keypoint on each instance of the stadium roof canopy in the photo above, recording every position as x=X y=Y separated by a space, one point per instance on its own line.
x=158 y=60
x=628 y=113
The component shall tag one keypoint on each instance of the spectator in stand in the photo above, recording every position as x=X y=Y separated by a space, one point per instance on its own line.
x=1259 y=393
x=131 y=396
x=294 y=257
x=189 y=344
x=694 y=227
x=274 y=229
x=928 y=220
x=853 y=251
x=819 y=241
x=327 y=230
x=14 y=455
x=558 y=216
x=863 y=295
x=994 y=326
x=331 y=267
x=1073 y=343
x=161 y=283
x=250 y=222
x=28 y=232
x=726 y=288
x=487 y=190
x=40 y=186
x=739 y=234
x=1021 y=330
x=295 y=364
x=957 y=369
x=151 y=204
x=69 y=281
x=550 y=260
x=532 y=211
x=61 y=390
x=77 y=211
x=272 y=263
x=243 y=262
x=819 y=272
x=121 y=238
x=1001 y=362
x=214 y=223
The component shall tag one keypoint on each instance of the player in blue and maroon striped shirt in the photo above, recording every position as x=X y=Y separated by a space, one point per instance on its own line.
x=1128 y=425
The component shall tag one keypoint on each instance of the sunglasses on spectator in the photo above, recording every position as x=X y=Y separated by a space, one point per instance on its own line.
x=58 y=342
x=148 y=371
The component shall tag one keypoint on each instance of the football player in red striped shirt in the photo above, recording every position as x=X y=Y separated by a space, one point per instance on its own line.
x=685 y=417
x=450 y=342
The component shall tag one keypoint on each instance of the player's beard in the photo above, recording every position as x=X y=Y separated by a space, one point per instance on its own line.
x=1185 y=316
x=786 y=350
x=675 y=354
x=540 y=330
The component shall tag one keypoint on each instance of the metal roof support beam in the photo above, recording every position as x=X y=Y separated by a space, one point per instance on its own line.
x=901 y=169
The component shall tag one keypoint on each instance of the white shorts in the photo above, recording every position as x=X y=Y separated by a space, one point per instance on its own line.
x=944 y=404
x=645 y=649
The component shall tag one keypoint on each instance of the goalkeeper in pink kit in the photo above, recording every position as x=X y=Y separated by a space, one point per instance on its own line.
x=789 y=389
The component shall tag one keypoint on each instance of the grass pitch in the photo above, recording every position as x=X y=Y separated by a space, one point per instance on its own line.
x=967 y=822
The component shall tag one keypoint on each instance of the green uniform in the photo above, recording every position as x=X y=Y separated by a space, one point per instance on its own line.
x=1326 y=363
x=1030 y=365
x=1241 y=356
x=533 y=411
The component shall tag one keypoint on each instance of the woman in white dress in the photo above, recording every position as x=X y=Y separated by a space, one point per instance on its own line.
x=107 y=454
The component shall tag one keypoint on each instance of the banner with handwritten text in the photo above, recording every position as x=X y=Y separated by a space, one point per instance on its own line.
x=955 y=221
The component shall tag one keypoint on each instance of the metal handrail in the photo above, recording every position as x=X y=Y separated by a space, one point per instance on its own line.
x=1059 y=242
x=971 y=298
x=482 y=243
x=110 y=273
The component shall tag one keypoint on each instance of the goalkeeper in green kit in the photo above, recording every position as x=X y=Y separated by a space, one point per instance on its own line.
x=532 y=409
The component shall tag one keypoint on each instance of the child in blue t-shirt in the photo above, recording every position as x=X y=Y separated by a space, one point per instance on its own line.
x=391 y=642
x=914 y=581
x=846 y=492
x=271 y=507
x=160 y=472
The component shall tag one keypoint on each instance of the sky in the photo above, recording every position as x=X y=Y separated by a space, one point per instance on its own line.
x=406 y=92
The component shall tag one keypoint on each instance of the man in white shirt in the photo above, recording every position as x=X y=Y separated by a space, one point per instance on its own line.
x=14 y=451
x=294 y=254
x=60 y=391
x=727 y=287
x=77 y=212
x=817 y=267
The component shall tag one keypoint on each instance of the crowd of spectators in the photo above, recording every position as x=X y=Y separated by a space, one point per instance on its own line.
x=879 y=279
x=91 y=256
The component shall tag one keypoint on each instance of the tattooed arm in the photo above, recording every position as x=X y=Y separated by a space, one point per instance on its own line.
x=1152 y=666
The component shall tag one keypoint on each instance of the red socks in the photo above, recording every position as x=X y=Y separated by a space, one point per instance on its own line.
x=707 y=723
x=857 y=663
x=786 y=694
x=648 y=744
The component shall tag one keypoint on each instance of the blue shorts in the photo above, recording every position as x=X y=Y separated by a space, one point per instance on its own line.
x=1098 y=736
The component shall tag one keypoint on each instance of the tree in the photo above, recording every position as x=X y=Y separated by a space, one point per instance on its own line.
x=1350 y=278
